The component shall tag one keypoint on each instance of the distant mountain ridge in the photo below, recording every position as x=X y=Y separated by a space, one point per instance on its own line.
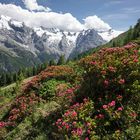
x=23 y=46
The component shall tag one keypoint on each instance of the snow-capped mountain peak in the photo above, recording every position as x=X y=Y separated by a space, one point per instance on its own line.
x=56 y=34
x=109 y=34
x=6 y=23
x=50 y=42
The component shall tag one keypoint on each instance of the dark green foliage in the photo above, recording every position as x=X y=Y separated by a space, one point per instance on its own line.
x=48 y=89
x=3 y=79
x=136 y=32
x=61 y=60
x=132 y=34
x=8 y=77
x=52 y=62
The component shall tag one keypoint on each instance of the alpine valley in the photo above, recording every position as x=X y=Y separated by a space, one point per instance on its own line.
x=23 y=46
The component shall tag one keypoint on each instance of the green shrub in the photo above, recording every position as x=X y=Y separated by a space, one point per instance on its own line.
x=49 y=88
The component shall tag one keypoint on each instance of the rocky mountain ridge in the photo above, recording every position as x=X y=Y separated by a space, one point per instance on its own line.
x=42 y=44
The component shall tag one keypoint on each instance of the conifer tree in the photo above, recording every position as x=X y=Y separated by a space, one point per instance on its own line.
x=15 y=77
x=52 y=62
x=3 y=79
x=34 y=70
x=61 y=60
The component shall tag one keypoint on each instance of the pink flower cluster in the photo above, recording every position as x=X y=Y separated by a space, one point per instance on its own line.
x=100 y=116
x=121 y=81
x=120 y=109
x=93 y=63
x=71 y=114
x=70 y=120
x=112 y=103
x=23 y=106
x=119 y=97
x=130 y=45
x=106 y=83
x=133 y=114
x=69 y=93
x=62 y=124
x=112 y=69
x=5 y=124
x=103 y=72
x=78 y=132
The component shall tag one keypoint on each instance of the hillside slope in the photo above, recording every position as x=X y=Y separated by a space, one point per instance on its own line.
x=95 y=98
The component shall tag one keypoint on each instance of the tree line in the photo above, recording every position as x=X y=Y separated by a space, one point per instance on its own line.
x=131 y=34
x=7 y=78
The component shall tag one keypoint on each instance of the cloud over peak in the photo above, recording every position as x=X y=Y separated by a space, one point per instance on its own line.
x=42 y=18
x=94 y=22
x=33 y=5
x=36 y=15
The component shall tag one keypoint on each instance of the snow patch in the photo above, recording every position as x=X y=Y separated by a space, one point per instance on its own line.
x=17 y=23
x=4 y=22
x=55 y=37
x=39 y=31
x=25 y=46
x=72 y=37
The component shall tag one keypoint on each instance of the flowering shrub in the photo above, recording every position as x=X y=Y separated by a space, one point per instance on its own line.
x=109 y=83
x=22 y=106
x=77 y=123
x=68 y=95
x=32 y=84
x=5 y=124
x=56 y=71
x=62 y=72
x=112 y=81
x=114 y=71
x=50 y=88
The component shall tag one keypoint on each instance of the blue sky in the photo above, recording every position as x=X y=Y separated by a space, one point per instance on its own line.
x=119 y=14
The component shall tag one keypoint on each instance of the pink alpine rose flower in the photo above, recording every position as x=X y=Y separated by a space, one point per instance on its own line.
x=105 y=106
x=106 y=83
x=112 y=103
x=93 y=63
x=121 y=81
x=120 y=109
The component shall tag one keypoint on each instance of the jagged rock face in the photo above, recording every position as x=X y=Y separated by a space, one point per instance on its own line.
x=86 y=40
x=56 y=42
x=36 y=45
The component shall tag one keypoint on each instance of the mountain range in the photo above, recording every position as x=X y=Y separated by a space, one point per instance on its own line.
x=23 y=46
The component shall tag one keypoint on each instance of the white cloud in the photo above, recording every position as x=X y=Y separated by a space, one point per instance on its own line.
x=63 y=21
x=96 y=23
x=47 y=19
x=33 y=5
